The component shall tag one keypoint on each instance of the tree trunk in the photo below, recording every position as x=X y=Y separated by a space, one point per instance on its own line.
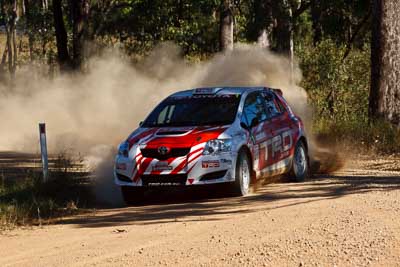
x=11 y=40
x=226 y=26
x=29 y=17
x=262 y=26
x=61 y=36
x=15 y=48
x=80 y=14
x=385 y=61
x=316 y=18
x=4 y=57
x=284 y=31
x=45 y=5
x=284 y=27
x=9 y=49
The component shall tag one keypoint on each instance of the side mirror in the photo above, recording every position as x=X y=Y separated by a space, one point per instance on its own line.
x=244 y=126
x=140 y=124
x=254 y=122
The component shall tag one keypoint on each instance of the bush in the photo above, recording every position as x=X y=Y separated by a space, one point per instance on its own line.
x=338 y=89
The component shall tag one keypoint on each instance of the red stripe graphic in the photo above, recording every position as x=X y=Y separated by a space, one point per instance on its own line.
x=142 y=168
x=179 y=167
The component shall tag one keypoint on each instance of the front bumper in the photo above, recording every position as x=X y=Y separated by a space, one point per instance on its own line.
x=206 y=169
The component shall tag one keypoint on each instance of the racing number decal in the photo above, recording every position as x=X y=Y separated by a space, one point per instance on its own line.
x=276 y=148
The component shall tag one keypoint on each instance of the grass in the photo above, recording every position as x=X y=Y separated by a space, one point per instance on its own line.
x=359 y=136
x=28 y=200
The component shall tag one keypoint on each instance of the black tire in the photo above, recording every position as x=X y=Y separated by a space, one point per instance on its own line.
x=241 y=186
x=132 y=195
x=300 y=164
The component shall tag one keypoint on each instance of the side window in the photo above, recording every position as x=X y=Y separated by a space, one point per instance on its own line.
x=271 y=105
x=254 y=109
x=280 y=105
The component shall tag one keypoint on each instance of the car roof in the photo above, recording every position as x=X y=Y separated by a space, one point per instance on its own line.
x=219 y=90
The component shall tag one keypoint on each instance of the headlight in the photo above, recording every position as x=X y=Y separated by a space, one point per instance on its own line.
x=123 y=149
x=217 y=146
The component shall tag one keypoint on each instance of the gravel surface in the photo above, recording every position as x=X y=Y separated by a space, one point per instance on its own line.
x=348 y=218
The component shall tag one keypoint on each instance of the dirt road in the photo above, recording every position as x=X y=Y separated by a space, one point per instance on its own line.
x=349 y=218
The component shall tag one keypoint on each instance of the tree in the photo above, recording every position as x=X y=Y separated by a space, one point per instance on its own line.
x=316 y=21
x=11 y=17
x=61 y=36
x=226 y=26
x=262 y=23
x=80 y=14
x=385 y=61
x=284 y=27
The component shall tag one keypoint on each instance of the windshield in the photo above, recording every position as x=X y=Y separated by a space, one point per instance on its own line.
x=194 y=111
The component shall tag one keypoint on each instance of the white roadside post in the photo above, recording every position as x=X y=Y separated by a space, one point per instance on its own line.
x=43 y=150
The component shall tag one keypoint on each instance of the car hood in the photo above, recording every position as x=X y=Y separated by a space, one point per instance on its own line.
x=175 y=136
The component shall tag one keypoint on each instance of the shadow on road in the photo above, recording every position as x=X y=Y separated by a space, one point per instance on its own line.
x=209 y=204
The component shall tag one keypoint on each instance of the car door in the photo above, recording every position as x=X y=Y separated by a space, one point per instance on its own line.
x=254 y=117
x=280 y=131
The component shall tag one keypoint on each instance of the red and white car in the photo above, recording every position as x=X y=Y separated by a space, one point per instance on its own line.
x=205 y=136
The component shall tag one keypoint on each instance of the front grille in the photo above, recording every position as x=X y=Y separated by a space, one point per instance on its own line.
x=124 y=178
x=168 y=179
x=174 y=153
x=213 y=175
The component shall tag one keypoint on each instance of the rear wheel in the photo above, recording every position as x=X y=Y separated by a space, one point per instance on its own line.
x=300 y=163
x=132 y=195
x=241 y=186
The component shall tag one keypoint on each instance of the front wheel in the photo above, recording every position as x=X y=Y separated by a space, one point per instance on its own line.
x=300 y=163
x=241 y=186
x=132 y=195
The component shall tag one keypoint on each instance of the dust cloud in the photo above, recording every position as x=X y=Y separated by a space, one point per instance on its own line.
x=93 y=112
x=102 y=106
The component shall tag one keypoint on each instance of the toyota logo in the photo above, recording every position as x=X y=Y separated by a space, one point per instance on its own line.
x=162 y=150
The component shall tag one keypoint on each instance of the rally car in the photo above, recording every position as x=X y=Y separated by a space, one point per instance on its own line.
x=232 y=135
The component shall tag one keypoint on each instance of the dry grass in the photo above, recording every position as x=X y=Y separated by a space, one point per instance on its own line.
x=25 y=199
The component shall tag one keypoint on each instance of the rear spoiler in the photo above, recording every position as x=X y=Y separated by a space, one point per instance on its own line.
x=278 y=91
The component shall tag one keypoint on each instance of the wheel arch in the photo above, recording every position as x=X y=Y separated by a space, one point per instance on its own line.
x=246 y=150
x=303 y=139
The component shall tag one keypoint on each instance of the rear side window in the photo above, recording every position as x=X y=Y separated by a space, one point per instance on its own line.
x=273 y=105
x=280 y=105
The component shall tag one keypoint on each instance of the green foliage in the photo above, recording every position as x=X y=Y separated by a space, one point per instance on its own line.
x=338 y=88
x=340 y=17
x=141 y=24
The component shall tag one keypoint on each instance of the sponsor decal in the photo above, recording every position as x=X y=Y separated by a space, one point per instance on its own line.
x=260 y=136
x=162 y=166
x=279 y=144
x=205 y=96
x=210 y=164
x=226 y=161
x=164 y=184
